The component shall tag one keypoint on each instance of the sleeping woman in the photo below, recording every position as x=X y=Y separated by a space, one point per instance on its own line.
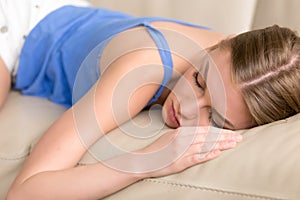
x=107 y=67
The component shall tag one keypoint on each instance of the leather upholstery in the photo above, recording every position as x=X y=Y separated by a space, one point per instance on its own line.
x=264 y=166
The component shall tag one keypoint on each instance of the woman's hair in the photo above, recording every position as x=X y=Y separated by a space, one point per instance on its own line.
x=266 y=66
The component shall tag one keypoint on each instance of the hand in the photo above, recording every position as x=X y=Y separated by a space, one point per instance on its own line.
x=185 y=147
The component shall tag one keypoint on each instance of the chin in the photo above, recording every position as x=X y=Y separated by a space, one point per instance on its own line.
x=171 y=126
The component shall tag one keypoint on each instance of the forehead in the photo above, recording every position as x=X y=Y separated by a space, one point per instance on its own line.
x=226 y=96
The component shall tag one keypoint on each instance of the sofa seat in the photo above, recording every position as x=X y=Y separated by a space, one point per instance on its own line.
x=265 y=166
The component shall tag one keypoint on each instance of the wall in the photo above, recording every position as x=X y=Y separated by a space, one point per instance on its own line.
x=281 y=12
x=227 y=16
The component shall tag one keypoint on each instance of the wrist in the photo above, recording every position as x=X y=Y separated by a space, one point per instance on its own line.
x=130 y=165
x=139 y=166
x=139 y=176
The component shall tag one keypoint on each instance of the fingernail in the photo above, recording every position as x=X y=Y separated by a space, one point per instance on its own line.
x=215 y=153
x=230 y=144
x=238 y=137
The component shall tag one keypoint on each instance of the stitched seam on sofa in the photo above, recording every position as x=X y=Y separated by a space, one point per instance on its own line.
x=254 y=196
x=15 y=157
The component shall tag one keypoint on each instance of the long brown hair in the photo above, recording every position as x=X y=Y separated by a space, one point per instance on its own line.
x=266 y=66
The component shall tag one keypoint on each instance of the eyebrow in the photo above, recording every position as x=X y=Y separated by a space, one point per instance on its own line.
x=226 y=121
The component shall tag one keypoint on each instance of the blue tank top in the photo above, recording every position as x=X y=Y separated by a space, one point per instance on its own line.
x=71 y=40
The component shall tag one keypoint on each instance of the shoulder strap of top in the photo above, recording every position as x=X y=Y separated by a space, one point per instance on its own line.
x=166 y=58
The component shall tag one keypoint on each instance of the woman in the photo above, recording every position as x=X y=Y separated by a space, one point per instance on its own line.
x=74 y=58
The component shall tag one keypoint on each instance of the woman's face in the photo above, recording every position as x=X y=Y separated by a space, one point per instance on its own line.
x=208 y=96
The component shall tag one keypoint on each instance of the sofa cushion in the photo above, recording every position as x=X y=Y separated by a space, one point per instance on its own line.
x=264 y=166
x=22 y=122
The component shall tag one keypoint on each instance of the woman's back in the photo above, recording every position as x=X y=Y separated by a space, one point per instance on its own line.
x=74 y=37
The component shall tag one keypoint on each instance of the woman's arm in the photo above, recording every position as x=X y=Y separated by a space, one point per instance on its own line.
x=5 y=82
x=50 y=172
x=96 y=181
x=58 y=151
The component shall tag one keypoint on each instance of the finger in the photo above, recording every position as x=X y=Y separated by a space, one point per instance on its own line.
x=224 y=145
x=225 y=136
x=200 y=158
x=213 y=129
x=191 y=130
x=199 y=138
x=206 y=148
x=211 y=155
x=208 y=131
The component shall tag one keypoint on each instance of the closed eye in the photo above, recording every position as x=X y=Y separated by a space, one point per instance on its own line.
x=195 y=75
x=221 y=119
x=212 y=121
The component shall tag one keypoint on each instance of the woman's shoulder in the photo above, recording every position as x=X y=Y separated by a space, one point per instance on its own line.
x=203 y=36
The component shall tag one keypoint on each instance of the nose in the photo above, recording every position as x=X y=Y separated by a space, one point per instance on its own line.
x=192 y=106
x=194 y=112
x=188 y=107
x=191 y=103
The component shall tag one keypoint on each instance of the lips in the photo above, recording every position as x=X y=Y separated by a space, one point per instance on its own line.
x=173 y=117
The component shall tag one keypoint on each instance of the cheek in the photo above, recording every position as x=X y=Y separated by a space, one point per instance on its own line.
x=242 y=119
x=187 y=97
x=184 y=88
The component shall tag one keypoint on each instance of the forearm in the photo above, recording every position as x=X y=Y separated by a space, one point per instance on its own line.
x=83 y=182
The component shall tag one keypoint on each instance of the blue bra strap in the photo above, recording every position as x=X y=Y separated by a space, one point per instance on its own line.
x=166 y=58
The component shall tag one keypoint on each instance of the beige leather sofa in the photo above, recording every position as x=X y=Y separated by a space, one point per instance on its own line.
x=265 y=166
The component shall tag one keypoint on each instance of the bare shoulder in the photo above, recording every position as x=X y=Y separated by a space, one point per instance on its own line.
x=204 y=37
x=5 y=82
